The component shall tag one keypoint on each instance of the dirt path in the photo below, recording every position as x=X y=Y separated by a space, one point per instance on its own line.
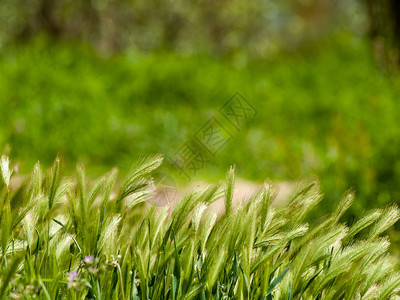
x=243 y=191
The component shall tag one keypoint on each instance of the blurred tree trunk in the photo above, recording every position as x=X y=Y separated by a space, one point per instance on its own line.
x=384 y=30
x=43 y=20
x=396 y=18
x=46 y=18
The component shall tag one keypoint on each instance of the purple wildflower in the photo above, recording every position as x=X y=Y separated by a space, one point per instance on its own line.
x=88 y=259
x=72 y=275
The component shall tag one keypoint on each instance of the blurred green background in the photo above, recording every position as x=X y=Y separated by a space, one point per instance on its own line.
x=100 y=81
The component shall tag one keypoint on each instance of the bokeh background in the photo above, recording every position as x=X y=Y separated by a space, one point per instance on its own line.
x=101 y=81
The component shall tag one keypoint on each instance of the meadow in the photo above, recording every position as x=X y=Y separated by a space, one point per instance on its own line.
x=74 y=238
x=324 y=118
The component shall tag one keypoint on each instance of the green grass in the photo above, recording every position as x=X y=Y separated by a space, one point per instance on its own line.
x=328 y=112
x=75 y=238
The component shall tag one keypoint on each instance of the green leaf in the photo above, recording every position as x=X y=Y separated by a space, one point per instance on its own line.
x=278 y=279
x=9 y=273
x=290 y=293
x=177 y=273
x=73 y=238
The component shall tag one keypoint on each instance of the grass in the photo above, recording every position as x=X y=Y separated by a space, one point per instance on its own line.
x=69 y=237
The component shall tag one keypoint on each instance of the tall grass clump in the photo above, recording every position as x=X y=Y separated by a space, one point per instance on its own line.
x=75 y=238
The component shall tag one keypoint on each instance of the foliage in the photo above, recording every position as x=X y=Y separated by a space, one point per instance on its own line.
x=313 y=117
x=74 y=238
